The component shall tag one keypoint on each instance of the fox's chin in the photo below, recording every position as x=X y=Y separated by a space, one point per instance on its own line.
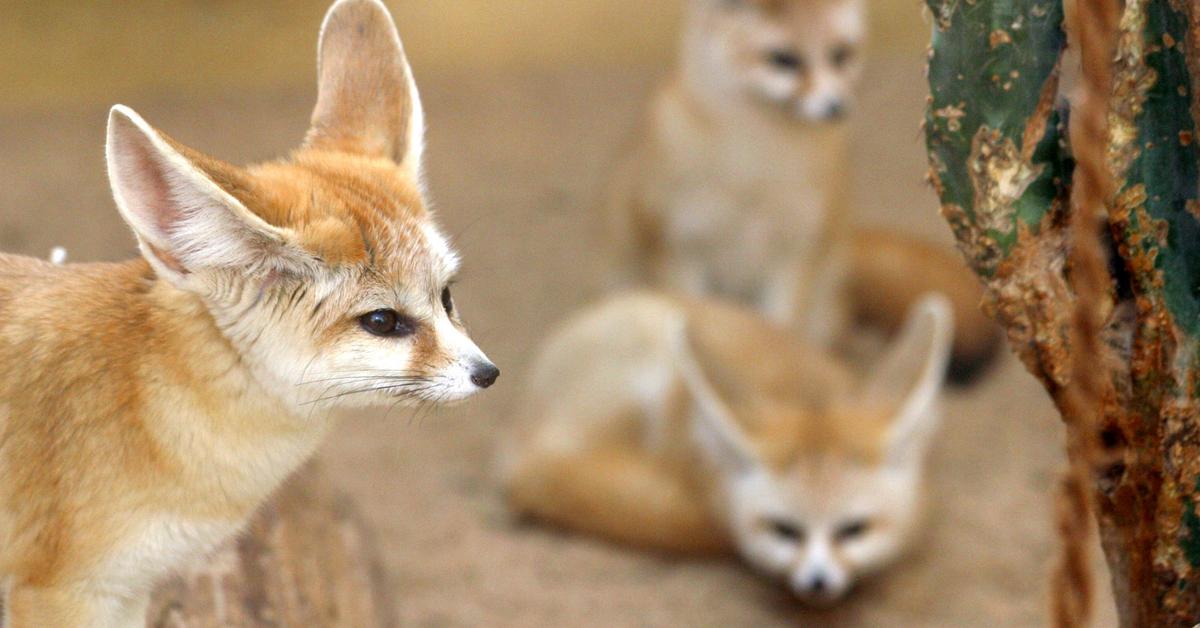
x=819 y=601
x=448 y=395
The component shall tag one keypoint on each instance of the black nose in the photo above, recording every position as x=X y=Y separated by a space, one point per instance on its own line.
x=836 y=110
x=818 y=584
x=484 y=374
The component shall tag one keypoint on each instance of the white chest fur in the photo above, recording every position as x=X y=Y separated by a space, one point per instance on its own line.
x=745 y=193
x=745 y=180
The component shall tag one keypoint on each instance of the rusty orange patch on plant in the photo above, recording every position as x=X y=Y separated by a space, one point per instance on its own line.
x=998 y=38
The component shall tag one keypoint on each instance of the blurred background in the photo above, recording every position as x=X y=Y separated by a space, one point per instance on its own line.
x=528 y=102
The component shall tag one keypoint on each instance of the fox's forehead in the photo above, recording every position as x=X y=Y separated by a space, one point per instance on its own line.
x=838 y=486
x=816 y=20
x=355 y=211
x=834 y=436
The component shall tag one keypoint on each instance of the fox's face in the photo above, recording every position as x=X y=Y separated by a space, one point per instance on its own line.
x=325 y=270
x=835 y=496
x=804 y=56
x=826 y=521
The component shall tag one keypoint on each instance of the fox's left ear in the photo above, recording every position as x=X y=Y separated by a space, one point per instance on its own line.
x=907 y=383
x=367 y=102
x=179 y=206
x=713 y=424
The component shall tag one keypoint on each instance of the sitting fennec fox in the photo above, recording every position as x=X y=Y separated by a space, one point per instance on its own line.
x=148 y=407
x=737 y=185
x=699 y=427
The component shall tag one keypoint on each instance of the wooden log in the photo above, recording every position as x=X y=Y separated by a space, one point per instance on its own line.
x=305 y=560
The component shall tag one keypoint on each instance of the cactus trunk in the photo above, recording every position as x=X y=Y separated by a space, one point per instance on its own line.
x=1002 y=165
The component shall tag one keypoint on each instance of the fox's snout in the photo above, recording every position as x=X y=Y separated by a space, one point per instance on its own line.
x=820 y=581
x=823 y=107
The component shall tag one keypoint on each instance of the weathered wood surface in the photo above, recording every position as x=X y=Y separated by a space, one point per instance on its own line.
x=306 y=560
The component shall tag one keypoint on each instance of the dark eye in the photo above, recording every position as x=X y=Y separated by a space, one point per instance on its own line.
x=786 y=530
x=447 y=300
x=785 y=59
x=852 y=530
x=841 y=56
x=388 y=324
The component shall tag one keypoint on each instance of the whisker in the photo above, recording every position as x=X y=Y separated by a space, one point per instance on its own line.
x=406 y=387
x=366 y=373
x=351 y=378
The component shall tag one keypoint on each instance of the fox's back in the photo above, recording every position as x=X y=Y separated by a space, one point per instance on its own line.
x=613 y=372
x=66 y=311
x=20 y=278
x=601 y=372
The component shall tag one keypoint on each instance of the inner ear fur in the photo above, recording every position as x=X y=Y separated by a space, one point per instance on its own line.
x=715 y=426
x=367 y=101
x=907 y=383
x=182 y=206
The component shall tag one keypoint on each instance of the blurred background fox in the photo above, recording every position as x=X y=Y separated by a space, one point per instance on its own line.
x=738 y=184
x=700 y=427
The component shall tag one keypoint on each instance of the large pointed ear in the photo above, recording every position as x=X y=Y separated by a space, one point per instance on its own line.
x=713 y=424
x=367 y=101
x=907 y=383
x=177 y=203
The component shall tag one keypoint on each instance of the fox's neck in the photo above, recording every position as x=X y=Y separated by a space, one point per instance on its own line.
x=210 y=407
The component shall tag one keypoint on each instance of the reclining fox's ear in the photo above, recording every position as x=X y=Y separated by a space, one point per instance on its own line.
x=367 y=101
x=908 y=381
x=713 y=424
x=178 y=204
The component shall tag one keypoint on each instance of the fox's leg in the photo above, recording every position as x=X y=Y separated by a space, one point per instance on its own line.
x=616 y=494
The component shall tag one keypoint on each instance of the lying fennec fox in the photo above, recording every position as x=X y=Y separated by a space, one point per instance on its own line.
x=736 y=186
x=698 y=427
x=147 y=407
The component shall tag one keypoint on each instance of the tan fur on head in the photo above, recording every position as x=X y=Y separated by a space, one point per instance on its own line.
x=147 y=408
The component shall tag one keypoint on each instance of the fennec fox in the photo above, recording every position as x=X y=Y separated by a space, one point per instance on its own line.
x=737 y=184
x=148 y=407
x=697 y=427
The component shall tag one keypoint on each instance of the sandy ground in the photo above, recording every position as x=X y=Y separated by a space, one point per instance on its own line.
x=515 y=164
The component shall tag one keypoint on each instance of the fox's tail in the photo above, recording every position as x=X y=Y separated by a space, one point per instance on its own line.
x=889 y=272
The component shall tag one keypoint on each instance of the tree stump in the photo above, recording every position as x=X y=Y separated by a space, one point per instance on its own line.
x=305 y=560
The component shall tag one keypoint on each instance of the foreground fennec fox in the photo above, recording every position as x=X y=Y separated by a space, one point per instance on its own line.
x=698 y=427
x=736 y=186
x=147 y=407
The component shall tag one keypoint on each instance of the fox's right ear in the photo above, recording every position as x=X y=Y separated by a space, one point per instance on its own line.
x=713 y=424
x=367 y=101
x=177 y=203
